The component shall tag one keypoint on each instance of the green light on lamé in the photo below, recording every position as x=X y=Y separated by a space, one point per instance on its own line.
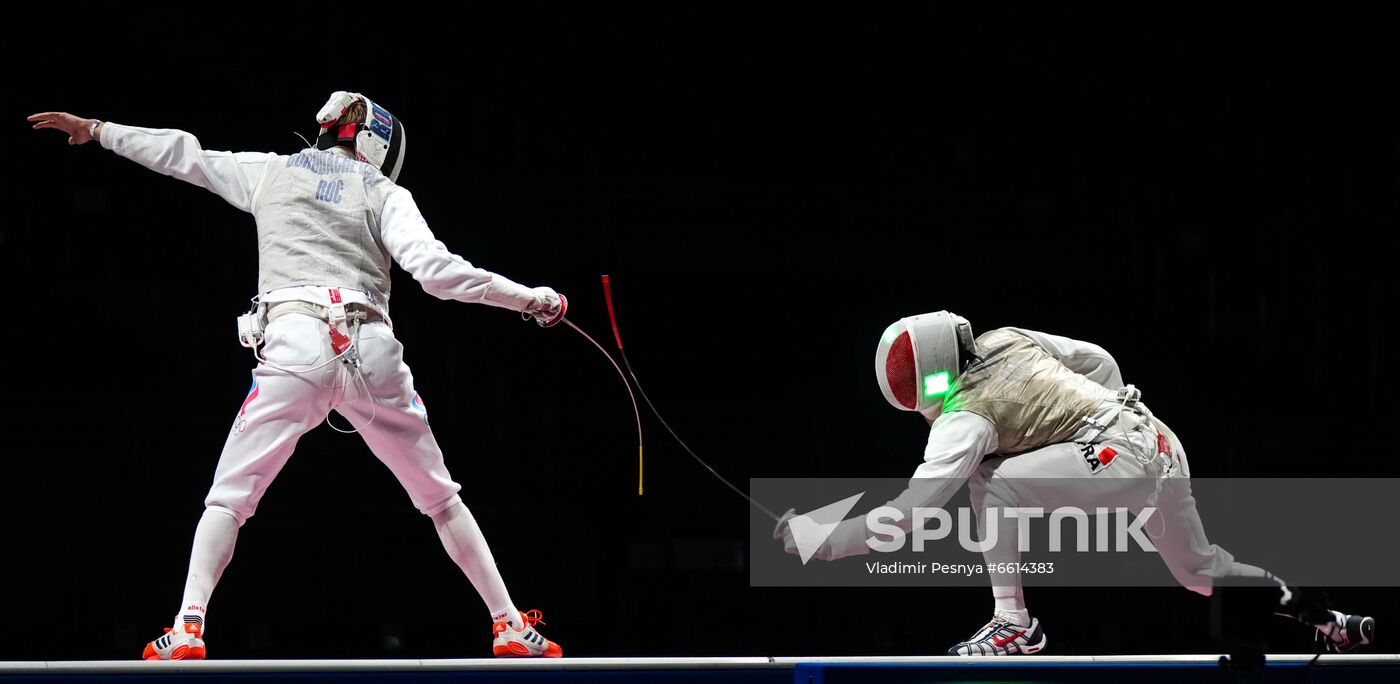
x=892 y=332
x=936 y=384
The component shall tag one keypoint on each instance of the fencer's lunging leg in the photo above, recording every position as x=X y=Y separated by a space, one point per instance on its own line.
x=468 y=549
x=1008 y=598
x=386 y=410
x=214 y=539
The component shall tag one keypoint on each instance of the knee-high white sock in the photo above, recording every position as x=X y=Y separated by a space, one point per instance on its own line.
x=214 y=538
x=465 y=544
x=1011 y=602
x=1006 y=587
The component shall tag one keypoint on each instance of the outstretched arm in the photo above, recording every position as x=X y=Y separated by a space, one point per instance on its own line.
x=447 y=276
x=957 y=443
x=231 y=175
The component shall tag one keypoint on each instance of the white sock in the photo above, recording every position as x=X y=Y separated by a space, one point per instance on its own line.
x=191 y=619
x=465 y=544
x=214 y=539
x=1011 y=604
x=508 y=615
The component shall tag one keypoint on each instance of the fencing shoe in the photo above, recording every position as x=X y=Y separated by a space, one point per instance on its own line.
x=510 y=642
x=1002 y=636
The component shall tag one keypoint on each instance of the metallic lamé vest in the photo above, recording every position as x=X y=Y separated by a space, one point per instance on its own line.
x=318 y=224
x=1031 y=398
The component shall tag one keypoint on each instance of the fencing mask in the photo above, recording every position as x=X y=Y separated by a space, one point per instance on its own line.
x=919 y=357
x=377 y=138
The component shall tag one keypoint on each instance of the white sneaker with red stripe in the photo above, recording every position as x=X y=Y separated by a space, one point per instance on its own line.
x=1003 y=636
x=510 y=642
x=183 y=643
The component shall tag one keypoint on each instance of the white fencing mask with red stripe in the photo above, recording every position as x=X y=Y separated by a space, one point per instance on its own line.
x=919 y=357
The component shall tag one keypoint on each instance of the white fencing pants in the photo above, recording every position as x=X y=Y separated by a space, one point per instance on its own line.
x=282 y=405
x=1068 y=474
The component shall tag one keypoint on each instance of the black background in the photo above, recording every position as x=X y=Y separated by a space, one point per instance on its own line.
x=1206 y=193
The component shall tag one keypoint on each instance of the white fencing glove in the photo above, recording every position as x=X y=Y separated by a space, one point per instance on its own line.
x=548 y=308
x=848 y=539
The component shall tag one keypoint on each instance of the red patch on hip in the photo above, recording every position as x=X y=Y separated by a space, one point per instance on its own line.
x=1107 y=455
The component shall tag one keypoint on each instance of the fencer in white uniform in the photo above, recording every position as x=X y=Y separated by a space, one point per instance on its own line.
x=1039 y=420
x=330 y=219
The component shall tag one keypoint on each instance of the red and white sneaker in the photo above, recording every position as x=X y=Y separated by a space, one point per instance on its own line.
x=1003 y=637
x=523 y=643
x=177 y=644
